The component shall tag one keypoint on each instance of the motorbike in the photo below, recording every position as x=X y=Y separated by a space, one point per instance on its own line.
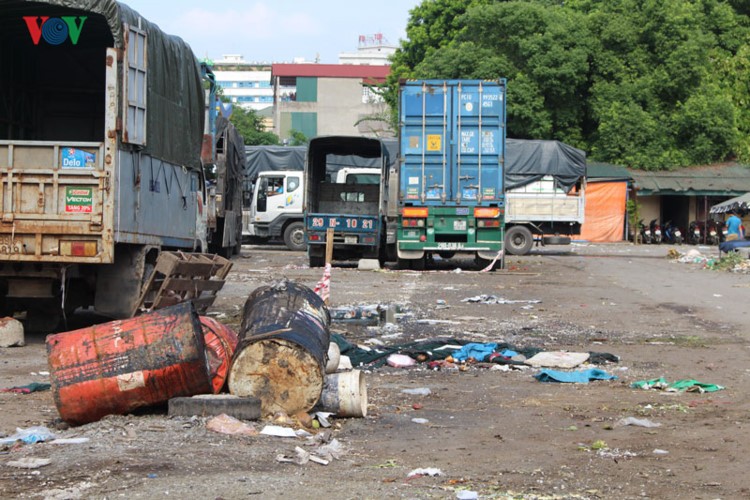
x=721 y=227
x=712 y=233
x=645 y=232
x=695 y=233
x=672 y=233
x=655 y=228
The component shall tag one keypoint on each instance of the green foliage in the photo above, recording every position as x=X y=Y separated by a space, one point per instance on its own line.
x=250 y=125
x=297 y=138
x=652 y=84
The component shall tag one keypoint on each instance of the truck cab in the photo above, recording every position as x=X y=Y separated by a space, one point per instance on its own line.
x=276 y=208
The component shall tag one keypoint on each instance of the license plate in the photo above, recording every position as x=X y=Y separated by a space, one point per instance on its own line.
x=459 y=225
x=350 y=240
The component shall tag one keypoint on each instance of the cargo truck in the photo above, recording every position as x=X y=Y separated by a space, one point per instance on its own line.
x=273 y=195
x=545 y=185
x=101 y=134
x=451 y=197
x=339 y=195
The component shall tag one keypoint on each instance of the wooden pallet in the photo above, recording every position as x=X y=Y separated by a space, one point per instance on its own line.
x=181 y=276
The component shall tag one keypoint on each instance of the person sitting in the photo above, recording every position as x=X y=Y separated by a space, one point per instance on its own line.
x=734 y=225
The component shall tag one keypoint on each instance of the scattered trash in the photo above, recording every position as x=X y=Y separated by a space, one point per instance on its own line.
x=28 y=389
x=11 y=333
x=359 y=314
x=431 y=471
x=302 y=458
x=345 y=394
x=493 y=299
x=400 y=361
x=474 y=350
x=278 y=431
x=225 y=424
x=322 y=418
x=657 y=451
x=467 y=495
x=579 y=377
x=421 y=421
x=29 y=463
x=558 y=359
x=69 y=441
x=421 y=391
x=688 y=385
x=638 y=422
x=30 y=435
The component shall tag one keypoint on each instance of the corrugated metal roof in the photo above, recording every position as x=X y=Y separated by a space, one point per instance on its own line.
x=375 y=73
x=726 y=179
x=601 y=171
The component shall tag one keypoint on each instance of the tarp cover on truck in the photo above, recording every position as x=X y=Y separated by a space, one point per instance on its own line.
x=175 y=99
x=527 y=161
x=265 y=158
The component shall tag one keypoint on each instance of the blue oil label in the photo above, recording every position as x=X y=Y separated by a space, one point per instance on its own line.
x=77 y=158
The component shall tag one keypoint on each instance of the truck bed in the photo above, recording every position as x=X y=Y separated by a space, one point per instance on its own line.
x=353 y=199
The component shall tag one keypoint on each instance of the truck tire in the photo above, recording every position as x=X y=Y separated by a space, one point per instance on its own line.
x=556 y=240
x=294 y=236
x=518 y=240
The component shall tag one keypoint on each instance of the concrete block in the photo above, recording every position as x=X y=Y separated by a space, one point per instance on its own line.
x=211 y=405
x=368 y=265
x=11 y=333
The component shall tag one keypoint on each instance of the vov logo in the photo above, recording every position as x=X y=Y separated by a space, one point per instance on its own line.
x=55 y=30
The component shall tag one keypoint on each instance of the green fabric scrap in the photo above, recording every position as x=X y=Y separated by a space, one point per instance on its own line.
x=688 y=385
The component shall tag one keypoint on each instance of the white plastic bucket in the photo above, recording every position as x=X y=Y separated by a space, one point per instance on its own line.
x=345 y=394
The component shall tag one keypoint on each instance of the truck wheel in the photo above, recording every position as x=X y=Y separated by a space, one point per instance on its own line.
x=518 y=240
x=556 y=240
x=294 y=236
x=403 y=263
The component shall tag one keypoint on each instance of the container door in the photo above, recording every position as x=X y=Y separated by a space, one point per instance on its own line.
x=479 y=131
x=426 y=108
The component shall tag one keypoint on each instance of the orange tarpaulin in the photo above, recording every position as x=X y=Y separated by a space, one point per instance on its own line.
x=605 y=212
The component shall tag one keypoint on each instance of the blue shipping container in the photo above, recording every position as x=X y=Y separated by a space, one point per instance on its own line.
x=452 y=136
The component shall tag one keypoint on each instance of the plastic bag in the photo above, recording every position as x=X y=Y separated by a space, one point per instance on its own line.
x=29 y=435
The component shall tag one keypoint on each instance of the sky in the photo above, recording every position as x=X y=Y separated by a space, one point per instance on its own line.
x=277 y=31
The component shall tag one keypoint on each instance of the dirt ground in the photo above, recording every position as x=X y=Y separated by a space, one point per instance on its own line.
x=500 y=433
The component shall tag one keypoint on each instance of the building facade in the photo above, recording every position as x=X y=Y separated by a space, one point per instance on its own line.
x=329 y=99
x=245 y=84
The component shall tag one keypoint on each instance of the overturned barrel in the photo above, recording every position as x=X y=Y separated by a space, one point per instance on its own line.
x=220 y=341
x=116 y=367
x=283 y=348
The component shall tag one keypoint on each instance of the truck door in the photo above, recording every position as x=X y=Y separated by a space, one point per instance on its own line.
x=478 y=134
x=276 y=195
x=425 y=141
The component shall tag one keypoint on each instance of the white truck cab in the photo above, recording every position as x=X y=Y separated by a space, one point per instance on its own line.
x=276 y=208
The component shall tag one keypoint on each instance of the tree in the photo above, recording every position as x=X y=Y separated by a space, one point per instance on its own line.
x=250 y=125
x=653 y=84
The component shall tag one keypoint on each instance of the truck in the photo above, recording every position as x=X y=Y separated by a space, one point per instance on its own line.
x=104 y=151
x=340 y=196
x=451 y=197
x=273 y=195
x=545 y=184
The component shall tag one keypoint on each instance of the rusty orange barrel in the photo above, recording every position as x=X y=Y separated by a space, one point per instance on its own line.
x=116 y=367
x=221 y=341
